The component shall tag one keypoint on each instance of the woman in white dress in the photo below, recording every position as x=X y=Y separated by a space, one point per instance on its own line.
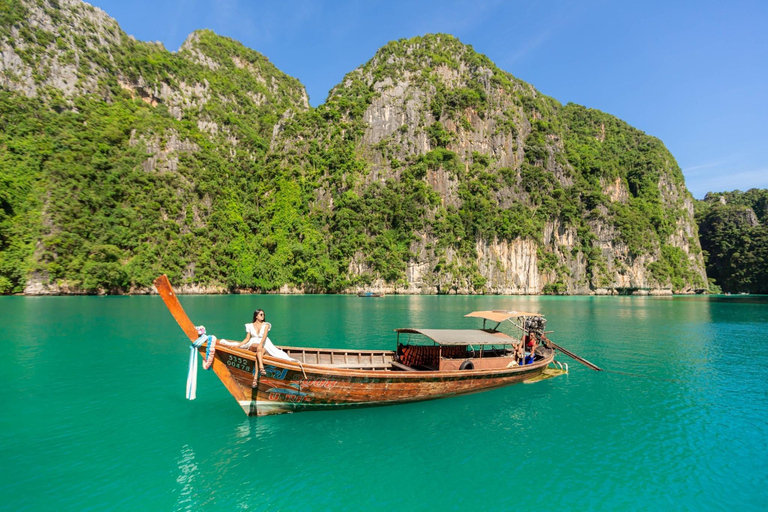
x=256 y=339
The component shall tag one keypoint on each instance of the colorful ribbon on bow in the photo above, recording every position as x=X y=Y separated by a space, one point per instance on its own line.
x=210 y=351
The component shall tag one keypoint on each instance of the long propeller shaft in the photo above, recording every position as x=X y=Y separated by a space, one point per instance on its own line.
x=574 y=356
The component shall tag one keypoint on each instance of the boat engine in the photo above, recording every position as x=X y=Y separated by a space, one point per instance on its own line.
x=536 y=324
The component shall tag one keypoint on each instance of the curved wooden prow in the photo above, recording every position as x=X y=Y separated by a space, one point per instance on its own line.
x=245 y=397
x=174 y=306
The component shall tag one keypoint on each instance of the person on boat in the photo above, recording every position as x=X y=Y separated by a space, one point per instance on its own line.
x=518 y=353
x=256 y=340
x=530 y=347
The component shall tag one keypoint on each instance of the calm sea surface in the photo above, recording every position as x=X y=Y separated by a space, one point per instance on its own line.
x=93 y=415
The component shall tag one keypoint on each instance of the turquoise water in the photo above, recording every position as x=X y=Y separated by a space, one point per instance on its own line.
x=93 y=415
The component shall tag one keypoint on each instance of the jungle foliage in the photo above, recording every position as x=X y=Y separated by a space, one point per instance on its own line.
x=733 y=227
x=248 y=188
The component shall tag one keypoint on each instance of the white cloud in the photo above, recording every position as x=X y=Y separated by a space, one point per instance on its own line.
x=530 y=45
x=695 y=169
x=728 y=181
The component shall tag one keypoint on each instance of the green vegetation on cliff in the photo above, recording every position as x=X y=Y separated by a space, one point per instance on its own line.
x=208 y=165
x=734 y=235
x=103 y=190
x=598 y=149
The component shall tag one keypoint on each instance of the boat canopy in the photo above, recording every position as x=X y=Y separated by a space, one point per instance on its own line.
x=461 y=336
x=500 y=315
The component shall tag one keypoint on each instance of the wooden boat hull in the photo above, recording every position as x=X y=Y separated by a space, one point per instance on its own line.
x=290 y=387
x=338 y=379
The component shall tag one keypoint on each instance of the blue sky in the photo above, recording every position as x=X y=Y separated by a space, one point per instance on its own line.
x=692 y=73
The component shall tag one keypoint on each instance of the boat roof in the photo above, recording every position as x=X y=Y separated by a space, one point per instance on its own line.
x=462 y=336
x=499 y=315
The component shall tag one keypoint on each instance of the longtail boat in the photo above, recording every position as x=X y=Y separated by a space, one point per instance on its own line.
x=427 y=364
x=370 y=294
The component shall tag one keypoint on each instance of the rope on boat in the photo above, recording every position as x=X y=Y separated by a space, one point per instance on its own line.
x=210 y=351
x=302 y=370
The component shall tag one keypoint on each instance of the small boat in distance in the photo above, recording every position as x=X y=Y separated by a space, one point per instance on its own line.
x=426 y=364
x=370 y=294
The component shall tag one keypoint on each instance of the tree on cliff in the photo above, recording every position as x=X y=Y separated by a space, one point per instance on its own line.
x=734 y=235
x=427 y=168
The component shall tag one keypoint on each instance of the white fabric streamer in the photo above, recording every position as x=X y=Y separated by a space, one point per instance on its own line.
x=192 y=373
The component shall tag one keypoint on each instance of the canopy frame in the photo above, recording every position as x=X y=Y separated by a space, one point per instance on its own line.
x=454 y=337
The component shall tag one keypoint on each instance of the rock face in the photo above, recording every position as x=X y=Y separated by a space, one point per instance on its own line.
x=427 y=170
x=430 y=85
x=733 y=229
x=43 y=50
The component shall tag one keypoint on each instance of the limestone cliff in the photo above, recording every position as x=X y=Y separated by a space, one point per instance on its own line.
x=733 y=230
x=427 y=170
x=432 y=98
